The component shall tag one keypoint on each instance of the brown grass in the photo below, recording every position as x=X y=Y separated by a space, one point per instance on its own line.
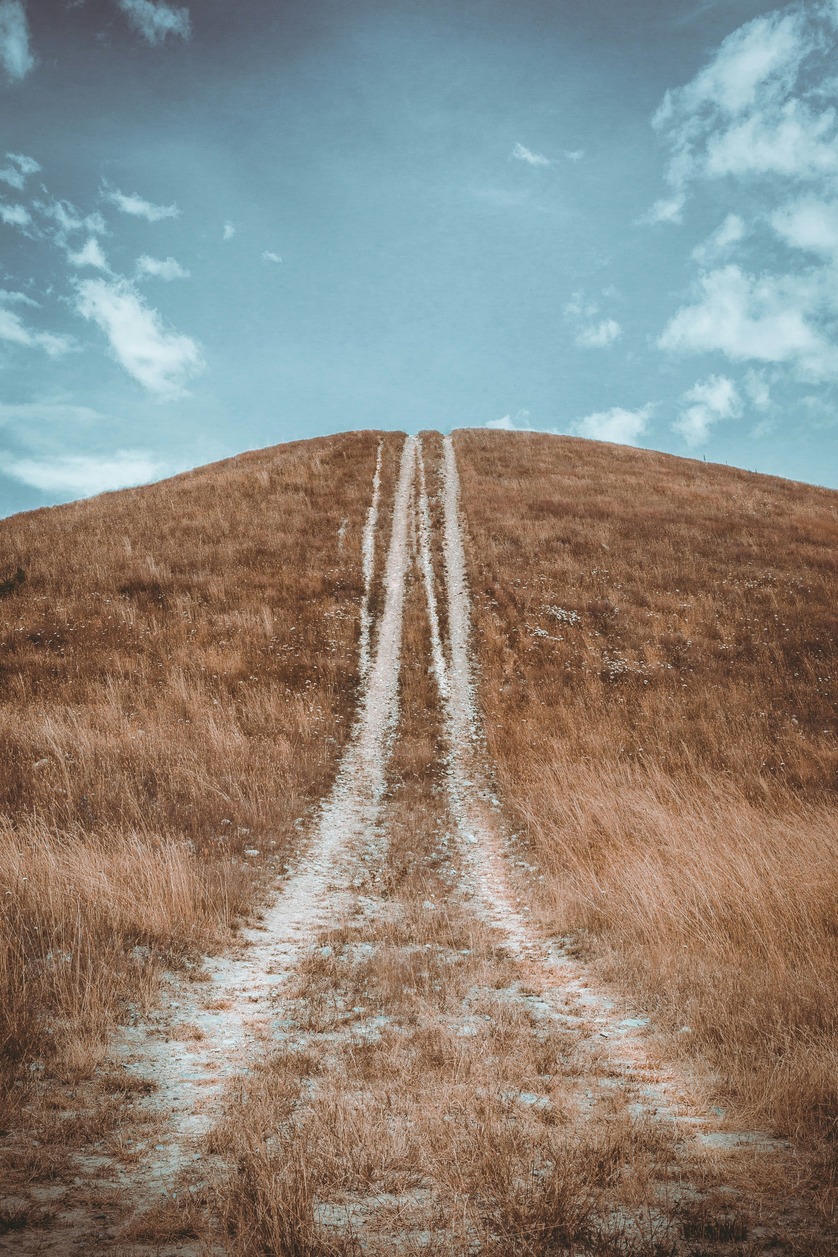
x=657 y=646
x=177 y=677
x=421 y=1103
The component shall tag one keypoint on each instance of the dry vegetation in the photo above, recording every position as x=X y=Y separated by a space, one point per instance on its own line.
x=177 y=677
x=425 y=1101
x=179 y=674
x=657 y=646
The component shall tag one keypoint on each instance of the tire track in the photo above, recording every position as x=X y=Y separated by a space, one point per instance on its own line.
x=368 y=566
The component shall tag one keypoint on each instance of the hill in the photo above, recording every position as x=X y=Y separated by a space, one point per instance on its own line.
x=421 y=845
x=658 y=653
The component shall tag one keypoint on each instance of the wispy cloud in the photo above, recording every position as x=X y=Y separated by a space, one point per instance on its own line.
x=599 y=335
x=268 y=256
x=766 y=318
x=809 y=224
x=139 y=207
x=228 y=232
x=760 y=120
x=519 y=422
x=19 y=168
x=719 y=243
x=15 y=54
x=14 y=331
x=90 y=254
x=160 y=268
x=623 y=427
x=521 y=153
x=155 y=20
x=592 y=332
x=161 y=360
x=68 y=219
x=739 y=114
x=16 y=298
x=15 y=215
x=706 y=404
x=83 y=475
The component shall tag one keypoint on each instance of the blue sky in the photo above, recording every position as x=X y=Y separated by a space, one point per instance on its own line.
x=225 y=226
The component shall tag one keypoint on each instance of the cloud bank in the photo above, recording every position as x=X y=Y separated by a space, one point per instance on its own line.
x=760 y=120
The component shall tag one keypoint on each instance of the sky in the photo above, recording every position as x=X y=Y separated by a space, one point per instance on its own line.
x=223 y=226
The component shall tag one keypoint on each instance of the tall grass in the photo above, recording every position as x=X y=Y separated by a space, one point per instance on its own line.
x=177 y=677
x=657 y=646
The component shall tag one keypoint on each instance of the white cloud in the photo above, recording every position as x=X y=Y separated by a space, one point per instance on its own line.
x=229 y=231
x=793 y=141
x=740 y=116
x=520 y=422
x=707 y=403
x=758 y=389
x=520 y=153
x=90 y=255
x=15 y=331
x=268 y=256
x=719 y=242
x=15 y=215
x=624 y=427
x=668 y=210
x=761 y=114
x=16 y=298
x=155 y=19
x=20 y=167
x=574 y=154
x=139 y=207
x=592 y=332
x=14 y=39
x=68 y=219
x=161 y=360
x=758 y=61
x=810 y=224
x=84 y=474
x=35 y=417
x=160 y=268
x=599 y=335
x=766 y=319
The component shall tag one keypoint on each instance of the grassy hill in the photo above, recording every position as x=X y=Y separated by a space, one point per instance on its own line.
x=658 y=648
x=654 y=645
x=177 y=671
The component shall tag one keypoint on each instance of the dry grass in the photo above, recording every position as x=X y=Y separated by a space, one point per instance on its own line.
x=423 y=1103
x=657 y=646
x=177 y=677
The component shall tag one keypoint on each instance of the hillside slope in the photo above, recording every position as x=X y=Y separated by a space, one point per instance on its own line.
x=177 y=672
x=658 y=652
x=421 y=844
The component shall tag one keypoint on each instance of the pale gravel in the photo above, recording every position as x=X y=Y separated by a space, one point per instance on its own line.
x=368 y=566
